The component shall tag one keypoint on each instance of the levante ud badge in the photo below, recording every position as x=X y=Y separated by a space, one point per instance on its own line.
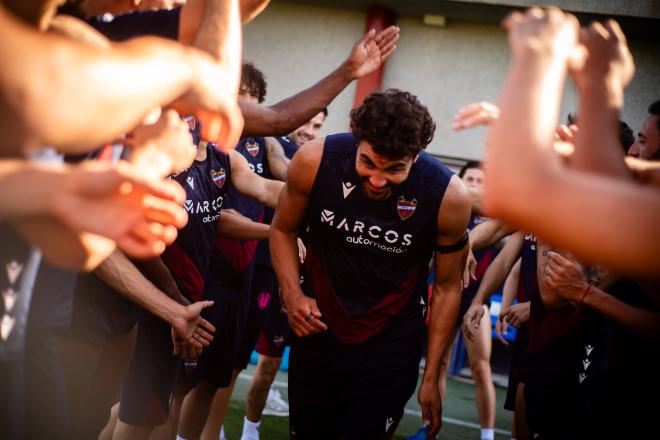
x=252 y=147
x=218 y=177
x=406 y=208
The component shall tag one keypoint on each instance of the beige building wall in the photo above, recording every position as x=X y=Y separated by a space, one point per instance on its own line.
x=446 y=67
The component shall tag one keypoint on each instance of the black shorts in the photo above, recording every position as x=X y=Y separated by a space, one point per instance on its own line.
x=151 y=379
x=517 y=349
x=274 y=335
x=228 y=315
x=346 y=392
x=263 y=291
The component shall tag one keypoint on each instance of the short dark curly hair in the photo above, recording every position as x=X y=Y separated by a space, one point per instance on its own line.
x=253 y=81
x=394 y=123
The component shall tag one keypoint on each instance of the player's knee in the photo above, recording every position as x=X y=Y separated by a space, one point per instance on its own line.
x=481 y=370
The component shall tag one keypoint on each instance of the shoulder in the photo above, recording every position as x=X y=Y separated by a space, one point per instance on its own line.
x=455 y=208
x=305 y=165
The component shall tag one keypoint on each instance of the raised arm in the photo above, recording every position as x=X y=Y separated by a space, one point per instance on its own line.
x=252 y=185
x=121 y=274
x=303 y=313
x=453 y=218
x=600 y=83
x=285 y=116
x=597 y=209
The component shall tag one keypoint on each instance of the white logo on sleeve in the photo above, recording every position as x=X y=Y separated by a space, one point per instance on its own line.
x=423 y=304
x=582 y=377
x=586 y=363
x=388 y=423
x=347 y=188
x=14 y=269
x=327 y=216
x=191 y=182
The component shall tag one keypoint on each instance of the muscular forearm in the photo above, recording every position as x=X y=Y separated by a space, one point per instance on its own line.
x=643 y=322
x=487 y=234
x=597 y=142
x=282 y=118
x=520 y=164
x=157 y=273
x=284 y=255
x=28 y=188
x=118 y=272
x=49 y=71
x=510 y=288
x=237 y=227
x=444 y=305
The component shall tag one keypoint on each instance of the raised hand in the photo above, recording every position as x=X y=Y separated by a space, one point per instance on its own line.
x=608 y=58
x=478 y=113
x=545 y=32
x=162 y=148
x=371 y=51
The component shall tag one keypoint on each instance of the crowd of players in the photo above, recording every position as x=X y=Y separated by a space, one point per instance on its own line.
x=158 y=222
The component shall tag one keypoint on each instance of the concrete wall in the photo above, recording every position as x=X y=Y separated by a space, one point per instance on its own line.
x=446 y=67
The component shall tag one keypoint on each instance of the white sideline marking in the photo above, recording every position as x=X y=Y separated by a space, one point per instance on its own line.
x=412 y=412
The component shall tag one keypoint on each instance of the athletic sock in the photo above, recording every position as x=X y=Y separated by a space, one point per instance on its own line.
x=487 y=434
x=250 y=429
x=222 y=433
x=178 y=437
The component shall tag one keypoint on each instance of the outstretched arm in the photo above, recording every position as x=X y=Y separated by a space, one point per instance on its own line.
x=252 y=185
x=282 y=118
x=453 y=218
x=522 y=167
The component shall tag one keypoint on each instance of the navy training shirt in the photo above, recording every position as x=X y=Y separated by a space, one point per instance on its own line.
x=231 y=258
x=161 y=23
x=367 y=260
x=206 y=184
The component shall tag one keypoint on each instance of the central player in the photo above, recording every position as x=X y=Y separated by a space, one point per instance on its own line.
x=376 y=209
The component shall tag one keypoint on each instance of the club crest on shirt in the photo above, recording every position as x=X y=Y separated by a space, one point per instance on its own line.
x=219 y=177
x=406 y=208
x=252 y=148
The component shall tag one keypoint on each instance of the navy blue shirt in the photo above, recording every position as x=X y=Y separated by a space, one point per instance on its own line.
x=163 y=23
x=367 y=260
x=232 y=258
x=206 y=184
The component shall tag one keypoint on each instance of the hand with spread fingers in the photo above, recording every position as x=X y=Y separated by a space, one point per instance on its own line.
x=478 y=113
x=608 y=59
x=545 y=31
x=140 y=215
x=371 y=51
